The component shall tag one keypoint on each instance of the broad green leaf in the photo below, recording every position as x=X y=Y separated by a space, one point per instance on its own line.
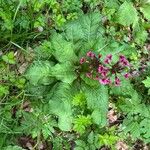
x=44 y=50
x=71 y=33
x=139 y=33
x=141 y=36
x=97 y=117
x=97 y=100
x=117 y=49
x=60 y=105
x=64 y=72
x=39 y=73
x=126 y=89
x=147 y=82
x=145 y=126
x=87 y=28
x=127 y=14
x=91 y=137
x=90 y=24
x=134 y=129
x=62 y=49
x=146 y=11
x=37 y=91
x=81 y=145
x=89 y=81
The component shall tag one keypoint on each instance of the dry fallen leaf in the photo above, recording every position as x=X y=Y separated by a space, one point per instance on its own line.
x=121 y=145
x=112 y=117
x=23 y=68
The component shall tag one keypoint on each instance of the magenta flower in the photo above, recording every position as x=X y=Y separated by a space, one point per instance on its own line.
x=97 y=69
x=82 y=60
x=100 y=68
x=90 y=54
x=127 y=75
x=108 y=59
x=122 y=57
x=103 y=70
x=105 y=81
x=117 y=81
x=109 y=56
x=104 y=74
x=123 y=61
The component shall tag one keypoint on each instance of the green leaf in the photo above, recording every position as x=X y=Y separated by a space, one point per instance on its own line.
x=117 y=49
x=88 y=81
x=127 y=14
x=90 y=24
x=81 y=123
x=146 y=11
x=39 y=73
x=71 y=33
x=108 y=140
x=97 y=100
x=9 y=58
x=80 y=145
x=60 y=105
x=64 y=72
x=63 y=50
x=147 y=82
x=4 y=90
x=149 y=92
x=89 y=29
x=91 y=138
x=97 y=117
x=141 y=36
x=79 y=100
x=44 y=50
x=139 y=33
x=126 y=89
x=133 y=127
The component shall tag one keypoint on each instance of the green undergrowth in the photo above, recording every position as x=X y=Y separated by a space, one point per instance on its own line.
x=46 y=101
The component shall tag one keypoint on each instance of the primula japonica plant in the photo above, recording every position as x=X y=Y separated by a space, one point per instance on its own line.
x=68 y=87
x=105 y=70
x=74 y=85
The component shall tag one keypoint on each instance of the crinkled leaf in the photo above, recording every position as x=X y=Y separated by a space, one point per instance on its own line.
x=39 y=73
x=134 y=128
x=64 y=72
x=146 y=11
x=44 y=50
x=60 y=105
x=97 y=100
x=126 y=89
x=116 y=49
x=127 y=14
x=62 y=49
x=71 y=33
x=89 y=29
x=90 y=24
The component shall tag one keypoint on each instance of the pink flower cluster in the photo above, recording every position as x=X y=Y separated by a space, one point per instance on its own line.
x=104 y=70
